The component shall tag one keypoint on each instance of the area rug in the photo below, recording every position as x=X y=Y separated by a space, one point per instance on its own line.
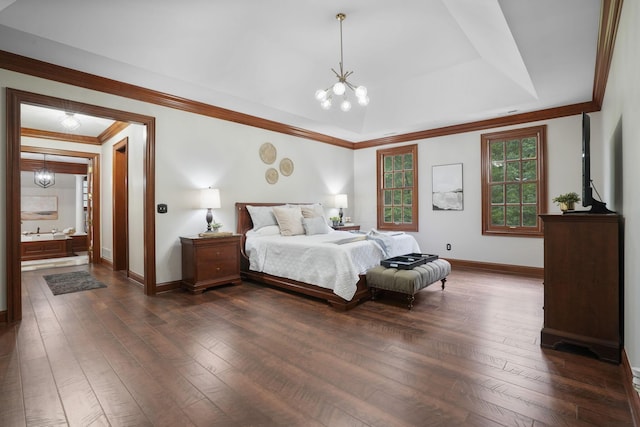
x=65 y=283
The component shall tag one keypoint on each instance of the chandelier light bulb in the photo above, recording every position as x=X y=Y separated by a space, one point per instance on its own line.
x=363 y=100
x=361 y=91
x=321 y=95
x=345 y=105
x=325 y=104
x=339 y=88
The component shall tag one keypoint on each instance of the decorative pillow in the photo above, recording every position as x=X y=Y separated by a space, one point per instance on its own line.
x=315 y=225
x=310 y=211
x=289 y=219
x=261 y=216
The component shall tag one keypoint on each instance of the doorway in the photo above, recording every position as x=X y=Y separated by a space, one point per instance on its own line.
x=68 y=164
x=15 y=99
x=121 y=206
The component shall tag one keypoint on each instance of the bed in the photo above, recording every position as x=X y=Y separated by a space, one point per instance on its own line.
x=345 y=255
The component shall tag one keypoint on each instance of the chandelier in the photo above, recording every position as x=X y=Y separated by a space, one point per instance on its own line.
x=324 y=96
x=44 y=177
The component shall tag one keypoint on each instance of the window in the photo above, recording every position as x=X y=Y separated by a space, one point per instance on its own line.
x=398 y=188
x=513 y=182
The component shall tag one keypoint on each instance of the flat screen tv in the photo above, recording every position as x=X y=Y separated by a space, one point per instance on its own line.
x=597 y=206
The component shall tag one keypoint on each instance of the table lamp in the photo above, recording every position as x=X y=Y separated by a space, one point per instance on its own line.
x=209 y=200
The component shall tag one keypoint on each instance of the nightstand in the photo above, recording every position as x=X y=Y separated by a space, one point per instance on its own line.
x=346 y=227
x=210 y=261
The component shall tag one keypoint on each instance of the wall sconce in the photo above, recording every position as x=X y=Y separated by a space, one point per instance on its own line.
x=209 y=200
x=341 y=202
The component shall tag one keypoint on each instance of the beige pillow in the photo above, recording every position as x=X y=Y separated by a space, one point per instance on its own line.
x=311 y=211
x=289 y=220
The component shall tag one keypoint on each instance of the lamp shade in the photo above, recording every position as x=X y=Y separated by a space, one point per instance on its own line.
x=210 y=198
x=341 y=201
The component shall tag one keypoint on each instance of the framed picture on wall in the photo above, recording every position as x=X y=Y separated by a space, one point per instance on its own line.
x=38 y=208
x=447 y=192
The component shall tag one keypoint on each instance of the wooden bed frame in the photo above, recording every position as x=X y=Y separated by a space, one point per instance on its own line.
x=245 y=224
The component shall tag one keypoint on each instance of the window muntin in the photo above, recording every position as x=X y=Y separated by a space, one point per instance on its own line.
x=398 y=188
x=514 y=191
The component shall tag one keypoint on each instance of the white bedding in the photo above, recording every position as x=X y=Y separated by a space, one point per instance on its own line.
x=320 y=261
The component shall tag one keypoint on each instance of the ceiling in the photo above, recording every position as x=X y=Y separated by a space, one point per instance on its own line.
x=48 y=119
x=426 y=63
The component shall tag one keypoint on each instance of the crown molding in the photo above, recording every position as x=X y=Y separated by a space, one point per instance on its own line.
x=58 y=136
x=609 y=20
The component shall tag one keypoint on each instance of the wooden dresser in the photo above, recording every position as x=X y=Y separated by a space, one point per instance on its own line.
x=210 y=261
x=582 y=283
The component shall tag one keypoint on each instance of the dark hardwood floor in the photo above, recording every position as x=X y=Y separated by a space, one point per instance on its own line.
x=249 y=355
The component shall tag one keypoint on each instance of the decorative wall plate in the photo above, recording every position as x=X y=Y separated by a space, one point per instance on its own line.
x=268 y=153
x=286 y=166
x=271 y=175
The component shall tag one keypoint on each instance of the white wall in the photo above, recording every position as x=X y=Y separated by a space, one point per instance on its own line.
x=64 y=189
x=463 y=229
x=621 y=136
x=196 y=152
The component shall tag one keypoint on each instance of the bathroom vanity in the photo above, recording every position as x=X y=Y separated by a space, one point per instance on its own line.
x=45 y=245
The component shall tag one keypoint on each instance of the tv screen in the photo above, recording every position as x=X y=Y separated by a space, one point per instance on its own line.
x=587 y=192
x=597 y=206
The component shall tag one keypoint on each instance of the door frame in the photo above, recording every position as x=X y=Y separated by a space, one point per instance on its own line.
x=14 y=99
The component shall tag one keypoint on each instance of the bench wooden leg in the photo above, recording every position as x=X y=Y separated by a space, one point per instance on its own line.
x=410 y=300
x=374 y=293
x=443 y=280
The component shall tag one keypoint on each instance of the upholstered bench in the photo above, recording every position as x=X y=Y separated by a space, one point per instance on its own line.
x=407 y=281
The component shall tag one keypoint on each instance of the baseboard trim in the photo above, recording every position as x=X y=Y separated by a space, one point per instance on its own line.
x=3 y=316
x=520 y=270
x=135 y=276
x=632 y=394
x=168 y=286
x=106 y=263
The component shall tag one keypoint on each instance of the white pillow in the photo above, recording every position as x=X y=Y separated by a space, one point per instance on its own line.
x=268 y=230
x=261 y=216
x=289 y=220
x=315 y=225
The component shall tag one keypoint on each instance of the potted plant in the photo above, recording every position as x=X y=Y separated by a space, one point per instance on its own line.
x=335 y=220
x=567 y=201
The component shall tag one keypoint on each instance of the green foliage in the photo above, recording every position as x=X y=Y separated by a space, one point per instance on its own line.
x=567 y=198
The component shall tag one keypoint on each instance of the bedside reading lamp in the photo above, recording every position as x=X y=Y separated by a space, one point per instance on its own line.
x=209 y=200
x=341 y=202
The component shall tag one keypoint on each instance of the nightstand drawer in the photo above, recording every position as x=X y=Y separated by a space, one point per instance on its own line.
x=218 y=252
x=218 y=269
